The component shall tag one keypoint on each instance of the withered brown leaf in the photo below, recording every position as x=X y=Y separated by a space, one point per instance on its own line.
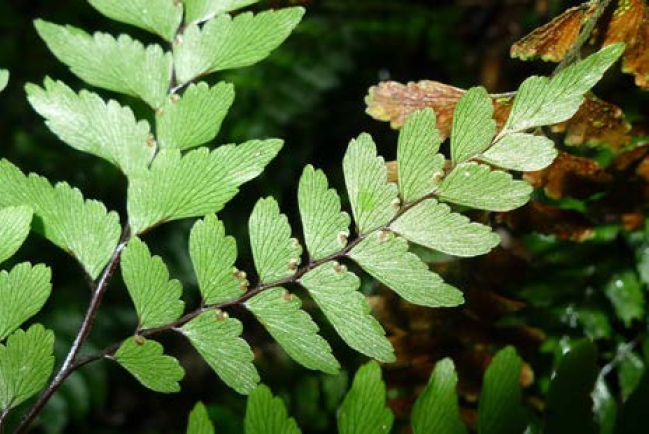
x=596 y=123
x=469 y=335
x=394 y=102
x=630 y=159
x=629 y=23
x=624 y=194
x=552 y=41
x=546 y=219
x=643 y=169
x=570 y=176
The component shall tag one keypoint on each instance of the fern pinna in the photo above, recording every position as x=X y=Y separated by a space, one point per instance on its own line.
x=173 y=175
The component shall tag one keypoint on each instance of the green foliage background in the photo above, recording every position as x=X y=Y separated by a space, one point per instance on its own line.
x=310 y=93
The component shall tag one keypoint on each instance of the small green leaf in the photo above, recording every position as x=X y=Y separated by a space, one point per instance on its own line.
x=595 y=321
x=417 y=157
x=569 y=403
x=226 y=43
x=523 y=152
x=216 y=338
x=335 y=291
x=15 y=222
x=122 y=65
x=386 y=257
x=640 y=242
x=213 y=255
x=433 y=225
x=478 y=186
x=23 y=291
x=197 y=11
x=145 y=361
x=81 y=227
x=266 y=414
x=87 y=123
x=160 y=17
x=4 y=79
x=156 y=298
x=630 y=371
x=193 y=119
x=195 y=184
x=280 y=313
x=500 y=409
x=326 y=228
x=26 y=362
x=276 y=254
x=364 y=411
x=626 y=295
x=473 y=128
x=541 y=101
x=199 y=421
x=372 y=198
x=632 y=418
x=436 y=410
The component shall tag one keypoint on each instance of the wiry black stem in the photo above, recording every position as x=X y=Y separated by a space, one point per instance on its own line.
x=259 y=288
x=3 y=417
x=69 y=364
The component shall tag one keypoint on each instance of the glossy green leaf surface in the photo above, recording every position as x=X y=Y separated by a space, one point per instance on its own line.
x=500 y=409
x=275 y=253
x=199 y=421
x=266 y=414
x=193 y=119
x=226 y=43
x=417 y=159
x=15 y=222
x=436 y=409
x=155 y=296
x=280 y=313
x=122 y=65
x=473 y=128
x=217 y=339
x=162 y=17
x=523 y=152
x=373 y=200
x=326 y=227
x=4 y=79
x=385 y=257
x=477 y=186
x=79 y=226
x=433 y=225
x=26 y=363
x=363 y=410
x=87 y=123
x=195 y=184
x=542 y=101
x=146 y=362
x=213 y=255
x=336 y=291
x=23 y=291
